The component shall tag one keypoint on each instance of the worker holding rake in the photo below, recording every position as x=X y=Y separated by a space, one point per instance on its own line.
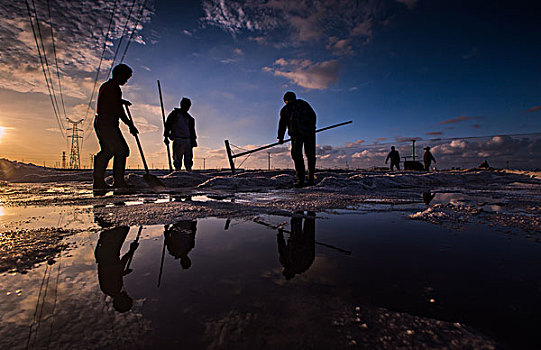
x=110 y=110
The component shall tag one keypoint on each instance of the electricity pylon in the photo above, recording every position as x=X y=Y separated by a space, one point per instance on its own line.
x=75 y=160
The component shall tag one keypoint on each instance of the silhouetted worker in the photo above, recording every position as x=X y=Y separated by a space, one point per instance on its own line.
x=395 y=158
x=180 y=128
x=106 y=124
x=299 y=253
x=428 y=158
x=428 y=197
x=112 y=268
x=180 y=240
x=300 y=121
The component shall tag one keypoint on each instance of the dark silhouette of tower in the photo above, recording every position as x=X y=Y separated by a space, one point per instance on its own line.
x=75 y=160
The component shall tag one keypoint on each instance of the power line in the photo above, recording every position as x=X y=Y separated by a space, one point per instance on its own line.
x=43 y=67
x=47 y=62
x=99 y=65
x=121 y=38
x=134 y=30
x=55 y=59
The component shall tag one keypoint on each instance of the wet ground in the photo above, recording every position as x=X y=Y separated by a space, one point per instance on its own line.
x=347 y=279
x=358 y=261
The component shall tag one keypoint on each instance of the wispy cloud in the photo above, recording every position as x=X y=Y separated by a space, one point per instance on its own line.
x=534 y=109
x=305 y=21
x=435 y=133
x=409 y=3
x=305 y=73
x=458 y=120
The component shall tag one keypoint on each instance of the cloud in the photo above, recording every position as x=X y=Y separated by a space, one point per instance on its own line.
x=354 y=143
x=534 y=109
x=291 y=23
x=305 y=73
x=409 y=3
x=457 y=120
x=435 y=133
x=79 y=33
x=340 y=47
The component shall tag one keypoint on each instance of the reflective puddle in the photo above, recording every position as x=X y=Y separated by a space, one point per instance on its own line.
x=217 y=283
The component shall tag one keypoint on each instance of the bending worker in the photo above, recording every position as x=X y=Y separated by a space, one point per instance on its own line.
x=106 y=124
x=300 y=119
x=180 y=128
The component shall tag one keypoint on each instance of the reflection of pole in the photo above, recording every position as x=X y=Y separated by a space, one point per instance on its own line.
x=163 y=254
x=347 y=252
x=136 y=241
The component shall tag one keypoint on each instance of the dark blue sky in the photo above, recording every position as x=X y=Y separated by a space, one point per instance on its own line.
x=397 y=68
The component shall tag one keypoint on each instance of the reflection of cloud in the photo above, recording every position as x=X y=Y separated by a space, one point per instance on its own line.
x=457 y=120
x=306 y=73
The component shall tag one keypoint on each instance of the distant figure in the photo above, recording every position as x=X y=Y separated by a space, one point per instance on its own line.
x=180 y=128
x=106 y=124
x=428 y=158
x=112 y=268
x=300 y=119
x=299 y=253
x=484 y=165
x=428 y=197
x=395 y=158
x=180 y=240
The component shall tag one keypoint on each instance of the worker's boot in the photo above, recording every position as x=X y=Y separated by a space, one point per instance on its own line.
x=311 y=171
x=299 y=169
x=120 y=185
x=99 y=187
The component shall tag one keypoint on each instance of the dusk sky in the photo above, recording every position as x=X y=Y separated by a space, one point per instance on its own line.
x=400 y=69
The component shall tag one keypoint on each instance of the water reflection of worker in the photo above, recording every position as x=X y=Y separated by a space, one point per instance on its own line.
x=112 y=268
x=298 y=254
x=180 y=240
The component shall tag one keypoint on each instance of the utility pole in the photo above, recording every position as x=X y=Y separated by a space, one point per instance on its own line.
x=268 y=161
x=413 y=149
x=204 y=163
x=75 y=160
x=63 y=160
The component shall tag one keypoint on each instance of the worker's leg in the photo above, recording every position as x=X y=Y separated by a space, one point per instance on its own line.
x=296 y=155
x=310 y=151
x=177 y=154
x=102 y=158
x=121 y=151
x=188 y=156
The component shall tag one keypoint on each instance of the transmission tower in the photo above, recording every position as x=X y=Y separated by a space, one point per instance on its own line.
x=75 y=160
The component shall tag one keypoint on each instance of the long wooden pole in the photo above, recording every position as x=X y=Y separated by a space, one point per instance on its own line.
x=138 y=142
x=287 y=140
x=163 y=118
